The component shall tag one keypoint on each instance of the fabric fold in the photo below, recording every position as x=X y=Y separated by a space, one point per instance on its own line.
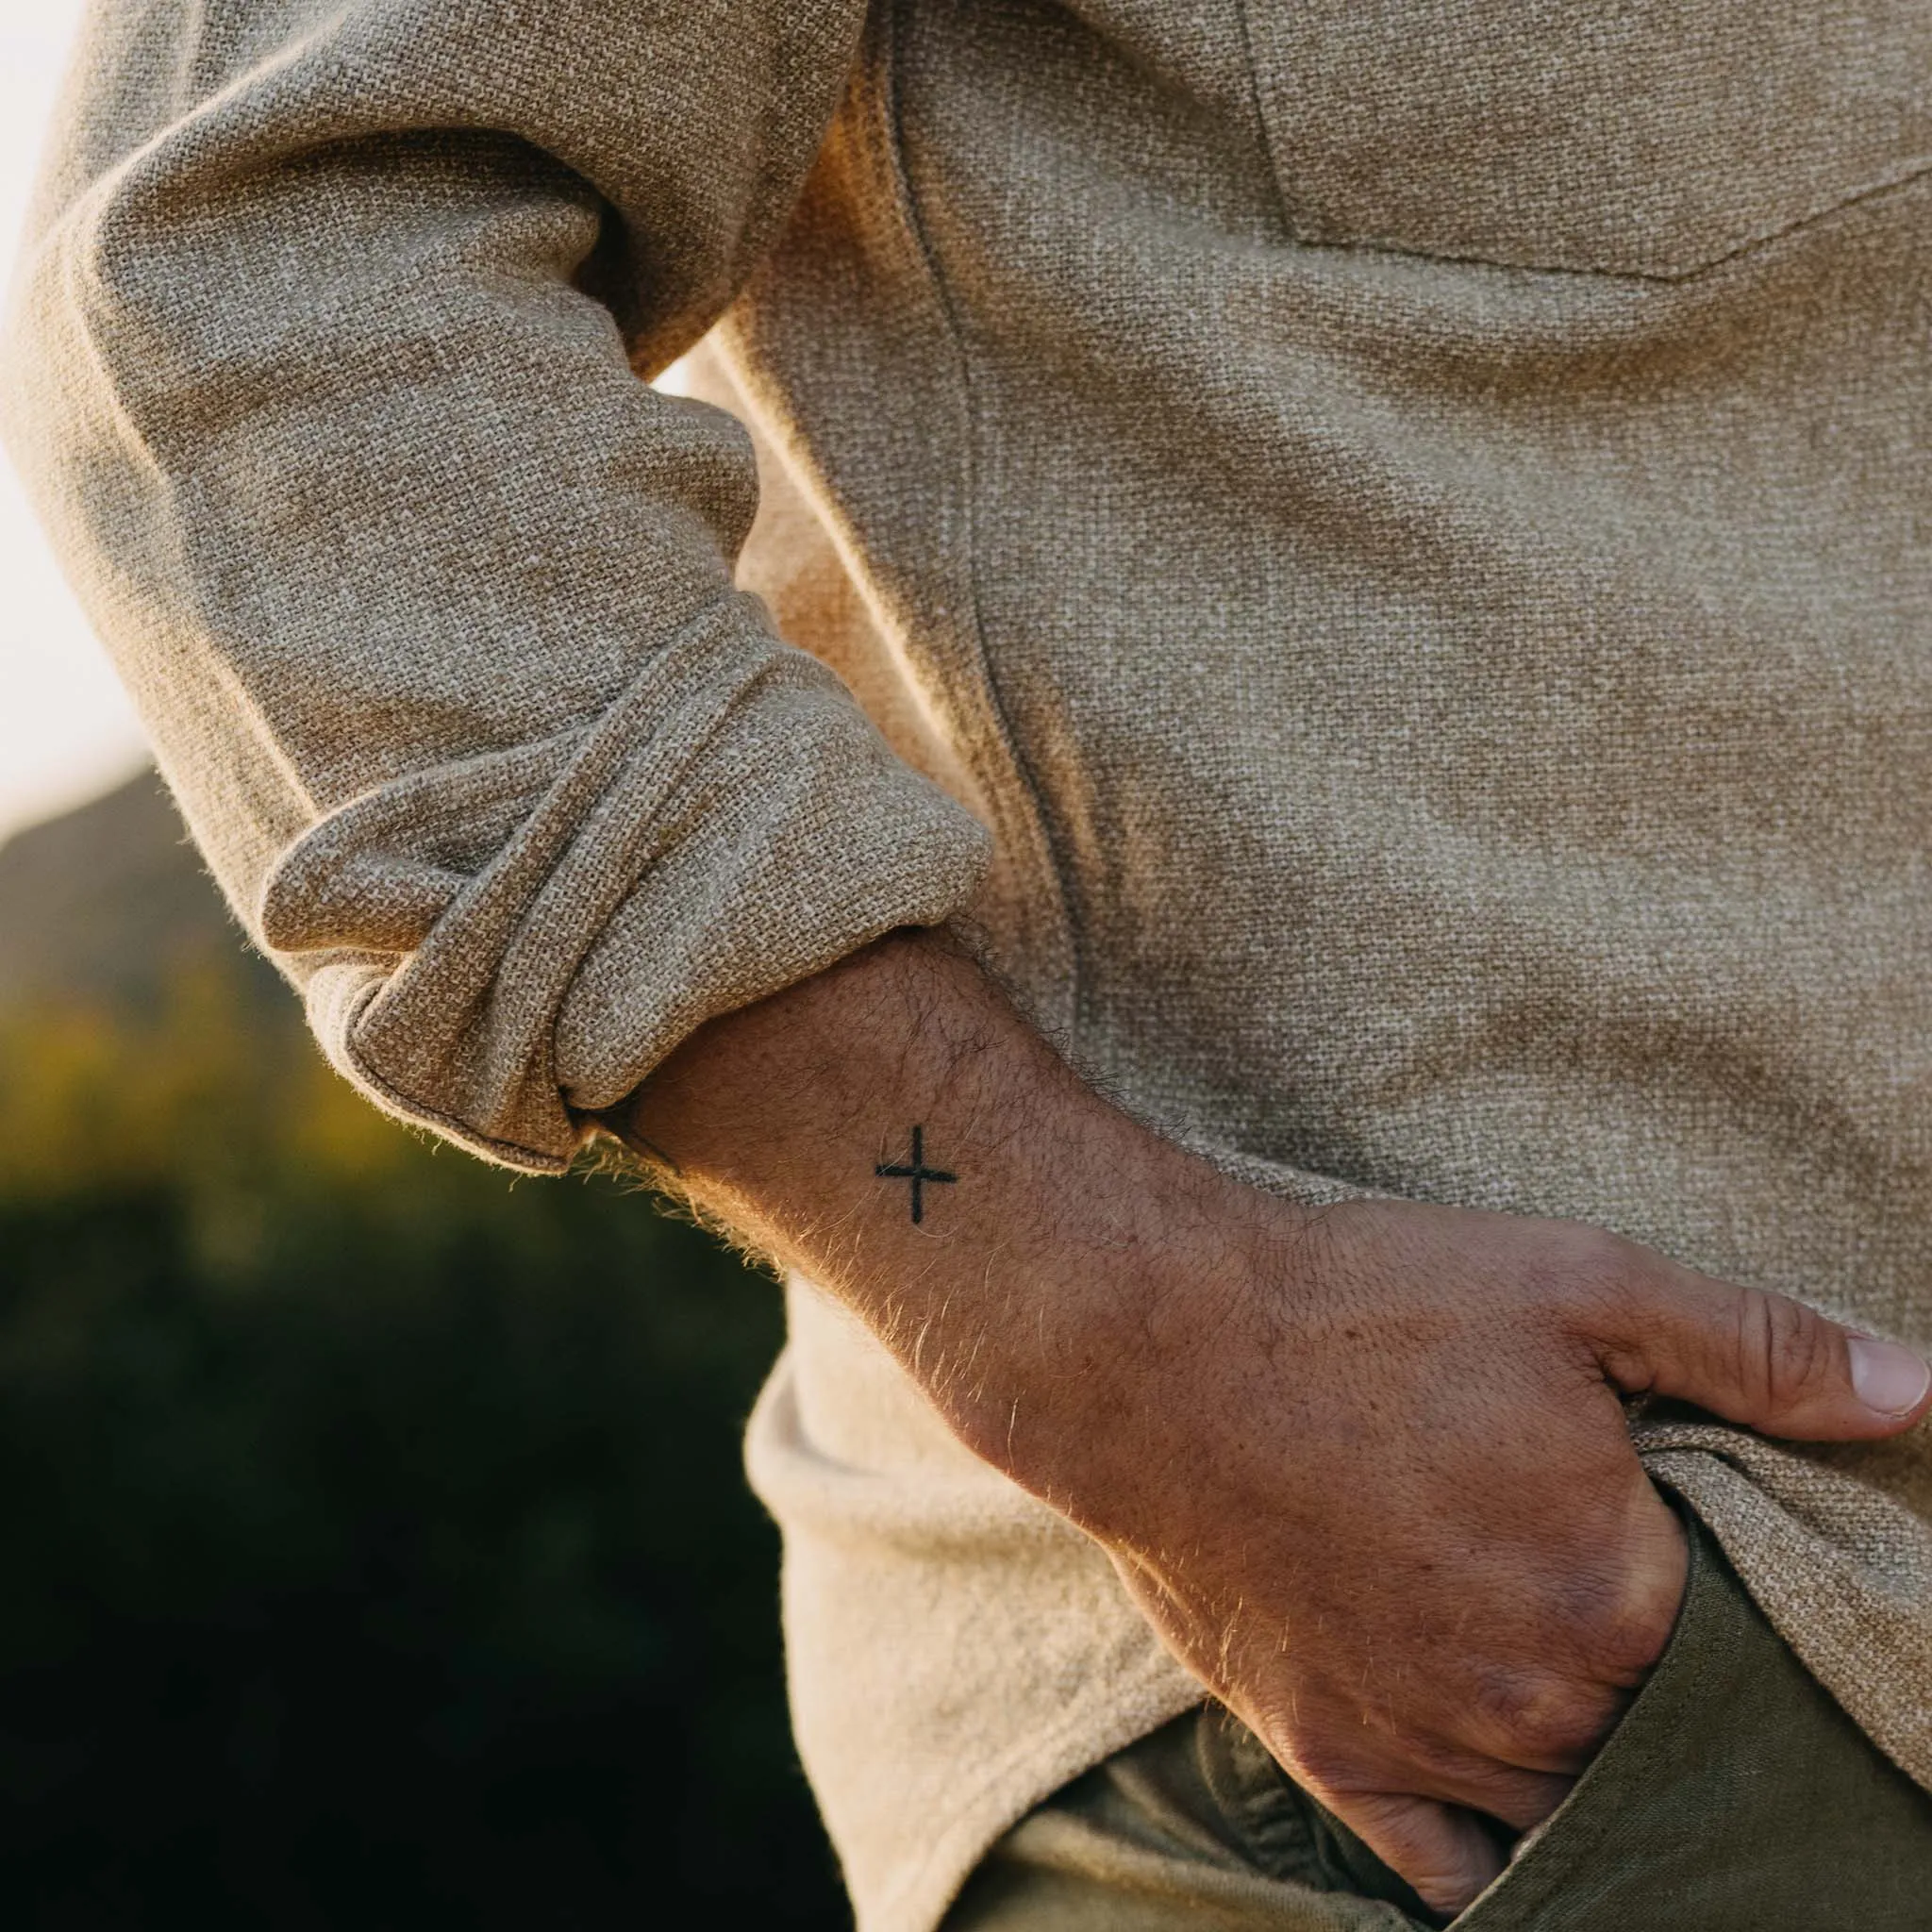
x=730 y=824
x=324 y=367
x=1842 y=1568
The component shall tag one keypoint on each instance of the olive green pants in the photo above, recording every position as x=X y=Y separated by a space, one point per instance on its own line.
x=1735 y=1796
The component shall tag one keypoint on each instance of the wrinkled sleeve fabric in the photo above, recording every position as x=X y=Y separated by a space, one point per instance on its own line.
x=322 y=369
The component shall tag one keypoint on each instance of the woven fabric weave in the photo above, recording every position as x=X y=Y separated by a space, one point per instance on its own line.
x=1377 y=551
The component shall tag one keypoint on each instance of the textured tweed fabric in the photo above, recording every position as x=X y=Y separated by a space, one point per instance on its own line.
x=1380 y=552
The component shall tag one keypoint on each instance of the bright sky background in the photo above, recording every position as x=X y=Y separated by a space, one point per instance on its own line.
x=66 y=731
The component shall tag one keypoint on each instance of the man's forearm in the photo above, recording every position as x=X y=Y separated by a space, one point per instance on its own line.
x=893 y=1128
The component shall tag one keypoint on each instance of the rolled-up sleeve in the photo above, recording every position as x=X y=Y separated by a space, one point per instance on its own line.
x=324 y=368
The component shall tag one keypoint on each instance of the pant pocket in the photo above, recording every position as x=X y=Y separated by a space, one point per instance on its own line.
x=1291 y=1836
x=1735 y=1796
x=1284 y=1831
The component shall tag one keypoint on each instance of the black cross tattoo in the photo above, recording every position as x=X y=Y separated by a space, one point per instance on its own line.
x=916 y=1171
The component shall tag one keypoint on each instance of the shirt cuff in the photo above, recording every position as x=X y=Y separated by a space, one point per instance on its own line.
x=489 y=950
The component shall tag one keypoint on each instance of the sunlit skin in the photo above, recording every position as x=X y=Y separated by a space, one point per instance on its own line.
x=1366 y=1471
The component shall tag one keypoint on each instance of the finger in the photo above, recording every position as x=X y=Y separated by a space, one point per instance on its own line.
x=1443 y=1851
x=1521 y=1799
x=1761 y=1360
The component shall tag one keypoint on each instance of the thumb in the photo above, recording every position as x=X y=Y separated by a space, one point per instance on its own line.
x=1761 y=1360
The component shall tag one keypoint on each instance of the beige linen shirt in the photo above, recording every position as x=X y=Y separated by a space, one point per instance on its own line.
x=1378 y=548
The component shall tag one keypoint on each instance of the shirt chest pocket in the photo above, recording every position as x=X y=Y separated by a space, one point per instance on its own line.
x=1633 y=137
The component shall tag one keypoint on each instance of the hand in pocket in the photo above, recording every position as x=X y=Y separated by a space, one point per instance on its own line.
x=1384 y=1502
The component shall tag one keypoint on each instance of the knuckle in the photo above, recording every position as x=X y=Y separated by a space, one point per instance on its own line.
x=1613 y=1621
x=1541 y=1720
x=1595 y=1286
x=1619 y=1643
x=1595 y=1272
x=1783 y=1352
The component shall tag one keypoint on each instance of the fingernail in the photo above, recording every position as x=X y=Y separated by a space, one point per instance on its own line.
x=1890 y=1379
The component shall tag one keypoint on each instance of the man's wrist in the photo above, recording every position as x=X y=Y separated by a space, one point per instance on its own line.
x=765 y=1115
x=1035 y=1261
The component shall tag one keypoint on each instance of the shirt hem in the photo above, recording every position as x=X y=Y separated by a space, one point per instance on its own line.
x=1005 y=1790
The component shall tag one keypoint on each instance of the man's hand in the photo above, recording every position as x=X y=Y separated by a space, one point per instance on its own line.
x=1378 y=1494
x=1365 y=1470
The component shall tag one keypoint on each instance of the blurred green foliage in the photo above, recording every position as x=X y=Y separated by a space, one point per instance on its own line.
x=376 y=1553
